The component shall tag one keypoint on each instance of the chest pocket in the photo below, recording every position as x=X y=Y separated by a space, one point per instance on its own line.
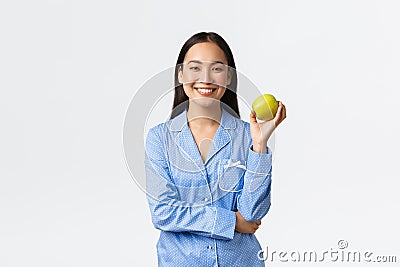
x=230 y=175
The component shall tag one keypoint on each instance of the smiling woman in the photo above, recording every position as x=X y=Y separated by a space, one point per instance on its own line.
x=208 y=173
x=192 y=57
x=204 y=73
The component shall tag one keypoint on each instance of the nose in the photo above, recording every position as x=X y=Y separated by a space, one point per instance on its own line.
x=206 y=76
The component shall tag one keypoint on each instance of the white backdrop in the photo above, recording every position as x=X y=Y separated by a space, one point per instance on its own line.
x=68 y=70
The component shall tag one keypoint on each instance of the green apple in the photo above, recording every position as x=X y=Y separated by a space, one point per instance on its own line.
x=265 y=107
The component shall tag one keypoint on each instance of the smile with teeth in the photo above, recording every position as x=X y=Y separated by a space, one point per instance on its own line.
x=205 y=91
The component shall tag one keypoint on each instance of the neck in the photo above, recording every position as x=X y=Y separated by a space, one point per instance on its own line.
x=204 y=116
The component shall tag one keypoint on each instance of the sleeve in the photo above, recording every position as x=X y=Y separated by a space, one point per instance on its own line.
x=168 y=211
x=254 y=201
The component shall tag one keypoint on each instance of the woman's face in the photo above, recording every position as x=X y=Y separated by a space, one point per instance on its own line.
x=205 y=73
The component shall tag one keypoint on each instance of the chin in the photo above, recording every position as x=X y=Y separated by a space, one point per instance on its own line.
x=205 y=102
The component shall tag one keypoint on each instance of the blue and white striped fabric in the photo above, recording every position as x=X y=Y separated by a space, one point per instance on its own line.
x=193 y=202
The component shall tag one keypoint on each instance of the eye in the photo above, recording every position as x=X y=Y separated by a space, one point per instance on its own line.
x=194 y=68
x=218 y=68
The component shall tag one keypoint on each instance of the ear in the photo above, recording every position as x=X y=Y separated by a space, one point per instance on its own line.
x=229 y=80
x=180 y=74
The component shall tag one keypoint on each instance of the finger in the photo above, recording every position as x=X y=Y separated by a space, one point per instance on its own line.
x=283 y=116
x=258 y=223
x=284 y=111
x=280 y=105
x=280 y=108
x=281 y=113
x=278 y=115
x=253 y=118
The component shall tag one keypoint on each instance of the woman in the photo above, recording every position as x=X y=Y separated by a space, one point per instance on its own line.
x=208 y=173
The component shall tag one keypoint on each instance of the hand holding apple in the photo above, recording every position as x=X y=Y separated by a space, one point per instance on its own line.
x=261 y=131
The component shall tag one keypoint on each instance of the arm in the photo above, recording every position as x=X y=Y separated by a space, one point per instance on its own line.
x=168 y=211
x=255 y=198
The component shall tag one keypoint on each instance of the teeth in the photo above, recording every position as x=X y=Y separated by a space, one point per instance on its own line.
x=204 y=90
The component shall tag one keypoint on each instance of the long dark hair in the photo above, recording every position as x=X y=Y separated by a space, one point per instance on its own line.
x=229 y=98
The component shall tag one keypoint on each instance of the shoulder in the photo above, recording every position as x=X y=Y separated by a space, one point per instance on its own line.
x=155 y=141
x=158 y=131
x=241 y=125
x=241 y=130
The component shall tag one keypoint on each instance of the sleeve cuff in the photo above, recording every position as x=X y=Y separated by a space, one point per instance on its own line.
x=258 y=162
x=224 y=224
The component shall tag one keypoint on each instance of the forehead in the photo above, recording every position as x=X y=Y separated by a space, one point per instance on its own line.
x=207 y=51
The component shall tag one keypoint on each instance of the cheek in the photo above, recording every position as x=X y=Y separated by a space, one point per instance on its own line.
x=221 y=79
x=221 y=92
x=188 y=88
x=190 y=77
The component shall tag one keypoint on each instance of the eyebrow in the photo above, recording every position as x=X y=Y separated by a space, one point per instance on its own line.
x=200 y=62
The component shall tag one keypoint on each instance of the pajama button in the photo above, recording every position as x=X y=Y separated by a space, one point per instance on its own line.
x=206 y=199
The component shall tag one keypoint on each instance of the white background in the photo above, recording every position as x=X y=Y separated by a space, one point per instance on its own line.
x=68 y=70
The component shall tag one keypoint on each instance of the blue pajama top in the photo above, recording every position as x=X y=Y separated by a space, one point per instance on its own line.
x=193 y=202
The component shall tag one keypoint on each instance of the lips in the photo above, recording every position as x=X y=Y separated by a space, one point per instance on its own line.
x=205 y=91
